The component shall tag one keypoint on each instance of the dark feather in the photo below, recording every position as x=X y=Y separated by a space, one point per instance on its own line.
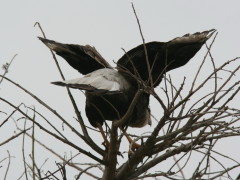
x=85 y=59
x=163 y=57
x=104 y=104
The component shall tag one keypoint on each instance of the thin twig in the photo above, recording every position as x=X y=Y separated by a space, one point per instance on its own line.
x=6 y=68
x=67 y=162
x=33 y=145
x=13 y=137
x=145 y=49
x=54 y=135
x=23 y=149
x=9 y=161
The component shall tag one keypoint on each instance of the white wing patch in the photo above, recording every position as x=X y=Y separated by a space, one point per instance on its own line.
x=102 y=79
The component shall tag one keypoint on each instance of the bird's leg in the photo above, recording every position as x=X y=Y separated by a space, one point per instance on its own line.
x=106 y=142
x=133 y=144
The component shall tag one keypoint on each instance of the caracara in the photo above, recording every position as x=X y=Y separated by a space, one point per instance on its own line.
x=110 y=91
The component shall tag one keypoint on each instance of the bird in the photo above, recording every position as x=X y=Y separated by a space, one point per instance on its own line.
x=110 y=91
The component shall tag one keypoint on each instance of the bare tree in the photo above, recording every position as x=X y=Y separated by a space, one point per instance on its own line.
x=193 y=121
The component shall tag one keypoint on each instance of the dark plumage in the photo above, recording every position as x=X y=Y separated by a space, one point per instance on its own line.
x=85 y=59
x=163 y=56
x=109 y=92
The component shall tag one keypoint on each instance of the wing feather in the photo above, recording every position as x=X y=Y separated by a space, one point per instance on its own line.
x=85 y=59
x=163 y=56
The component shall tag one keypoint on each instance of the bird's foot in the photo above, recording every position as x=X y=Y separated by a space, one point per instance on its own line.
x=133 y=147
x=106 y=144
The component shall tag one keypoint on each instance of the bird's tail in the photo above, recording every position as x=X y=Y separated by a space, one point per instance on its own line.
x=96 y=84
x=85 y=87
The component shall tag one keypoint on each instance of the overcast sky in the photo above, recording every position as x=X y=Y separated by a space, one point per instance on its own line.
x=109 y=26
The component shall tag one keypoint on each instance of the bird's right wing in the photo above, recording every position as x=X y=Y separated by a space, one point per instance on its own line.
x=85 y=59
x=162 y=56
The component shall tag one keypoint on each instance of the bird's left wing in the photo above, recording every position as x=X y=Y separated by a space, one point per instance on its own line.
x=85 y=59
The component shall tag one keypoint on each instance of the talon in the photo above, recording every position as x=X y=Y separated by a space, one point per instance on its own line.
x=106 y=143
x=134 y=146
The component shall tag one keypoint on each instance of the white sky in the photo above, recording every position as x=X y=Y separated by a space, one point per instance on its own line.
x=109 y=26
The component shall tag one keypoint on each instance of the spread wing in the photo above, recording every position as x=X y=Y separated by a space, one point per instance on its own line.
x=85 y=59
x=163 y=56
